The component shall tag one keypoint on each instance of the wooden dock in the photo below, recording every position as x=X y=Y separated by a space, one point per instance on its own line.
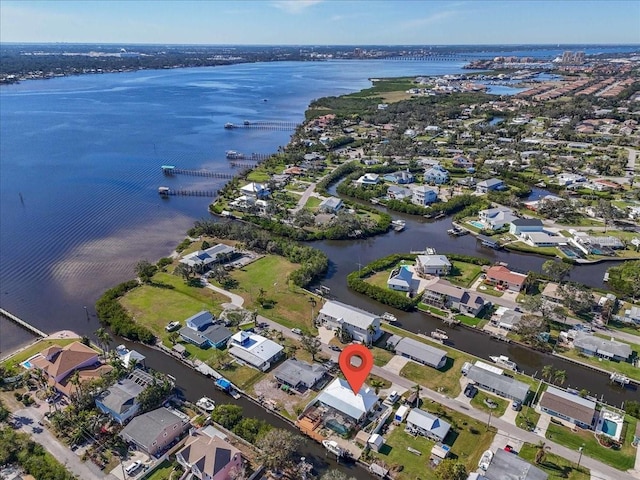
x=22 y=323
x=172 y=170
x=267 y=125
x=166 y=192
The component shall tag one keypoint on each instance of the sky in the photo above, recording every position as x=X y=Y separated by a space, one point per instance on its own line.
x=321 y=22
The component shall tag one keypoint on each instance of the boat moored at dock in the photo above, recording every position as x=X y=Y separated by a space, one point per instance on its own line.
x=398 y=225
x=619 y=378
x=388 y=317
x=504 y=361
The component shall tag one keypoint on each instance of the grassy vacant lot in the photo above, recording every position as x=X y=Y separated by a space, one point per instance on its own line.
x=468 y=438
x=555 y=466
x=381 y=356
x=162 y=472
x=527 y=417
x=157 y=304
x=463 y=273
x=291 y=308
x=478 y=402
x=622 y=459
x=313 y=203
x=445 y=380
x=470 y=321
x=14 y=361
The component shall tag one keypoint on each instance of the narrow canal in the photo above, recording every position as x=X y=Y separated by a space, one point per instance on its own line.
x=351 y=255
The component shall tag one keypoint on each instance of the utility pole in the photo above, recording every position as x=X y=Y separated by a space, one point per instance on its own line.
x=489 y=420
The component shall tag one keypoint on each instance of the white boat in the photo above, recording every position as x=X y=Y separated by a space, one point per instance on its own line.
x=229 y=125
x=619 y=378
x=388 y=317
x=485 y=460
x=333 y=447
x=439 y=335
x=504 y=361
x=206 y=404
x=398 y=225
x=233 y=155
x=606 y=277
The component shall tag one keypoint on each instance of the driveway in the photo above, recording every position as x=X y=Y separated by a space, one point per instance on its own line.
x=396 y=364
x=29 y=418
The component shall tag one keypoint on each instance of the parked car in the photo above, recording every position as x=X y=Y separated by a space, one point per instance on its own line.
x=517 y=405
x=297 y=331
x=131 y=469
x=172 y=326
x=335 y=348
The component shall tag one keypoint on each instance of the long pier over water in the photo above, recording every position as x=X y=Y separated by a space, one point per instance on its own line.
x=10 y=316
x=172 y=170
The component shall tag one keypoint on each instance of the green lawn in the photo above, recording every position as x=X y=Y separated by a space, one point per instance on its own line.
x=527 y=417
x=155 y=306
x=471 y=321
x=161 y=472
x=313 y=203
x=611 y=366
x=463 y=273
x=292 y=306
x=622 y=459
x=445 y=380
x=478 y=402
x=555 y=466
x=15 y=360
x=468 y=439
x=490 y=290
x=381 y=356
x=259 y=176
x=432 y=309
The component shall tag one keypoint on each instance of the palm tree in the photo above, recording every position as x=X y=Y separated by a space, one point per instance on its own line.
x=377 y=385
x=548 y=371
x=560 y=376
x=541 y=452
x=417 y=389
x=104 y=338
x=173 y=337
x=313 y=303
x=371 y=331
x=75 y=381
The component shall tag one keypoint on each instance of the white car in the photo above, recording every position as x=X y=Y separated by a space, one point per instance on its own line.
x=297 y=331
x=131 y=469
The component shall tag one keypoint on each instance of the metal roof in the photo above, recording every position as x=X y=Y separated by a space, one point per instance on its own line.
x=350 y=315
x=339 y=396
x=499 y=383
x=602 y=345
x=425 y=353
x=293 y=371
x=507 y=466
x=431 y=423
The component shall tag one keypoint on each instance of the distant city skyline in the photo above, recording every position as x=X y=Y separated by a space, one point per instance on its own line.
x=322 y=22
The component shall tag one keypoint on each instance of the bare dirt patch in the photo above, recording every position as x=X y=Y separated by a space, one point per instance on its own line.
x=286 y=402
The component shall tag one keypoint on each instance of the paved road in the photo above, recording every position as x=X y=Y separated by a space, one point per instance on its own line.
x=29 y=418
x=305 y=196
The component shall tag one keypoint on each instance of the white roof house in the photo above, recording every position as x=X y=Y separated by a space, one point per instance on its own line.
x=339 y=396
x=432 y=264
x=254 y=349
x=358 y=322
x=426 y=424
x=257 y=190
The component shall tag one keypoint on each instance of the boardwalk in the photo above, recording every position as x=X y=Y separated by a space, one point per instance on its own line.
x=172 y=170
x=166 y=192
x=22 y=323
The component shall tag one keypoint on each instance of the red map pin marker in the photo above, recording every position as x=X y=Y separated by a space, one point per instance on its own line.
x=356 y=375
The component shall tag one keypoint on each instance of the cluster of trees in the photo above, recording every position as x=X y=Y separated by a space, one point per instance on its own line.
x=313 y=262
x=232 y=418
x=624 y=279
x=111 y=313
x=155 y=393
x=18 y=448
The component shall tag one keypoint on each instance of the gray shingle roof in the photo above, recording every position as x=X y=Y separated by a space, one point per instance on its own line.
x=499 y=383
x=351 y=315
x=431 y=423
x=430 y=355
x=146 y=428
x=507 y=466
x=120 y=397
x=567 y=404
x=294 y=371
x=602 y=345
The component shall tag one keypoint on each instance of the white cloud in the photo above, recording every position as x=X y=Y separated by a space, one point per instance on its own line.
x=294 y=6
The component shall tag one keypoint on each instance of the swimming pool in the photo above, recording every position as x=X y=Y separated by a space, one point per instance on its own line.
x=336 y=426
x=610 y=424
x=26 y=364
x=476 y=224
x=609 y=427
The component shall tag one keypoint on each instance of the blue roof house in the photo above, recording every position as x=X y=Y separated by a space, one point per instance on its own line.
x=201 y=331
x=200 y=321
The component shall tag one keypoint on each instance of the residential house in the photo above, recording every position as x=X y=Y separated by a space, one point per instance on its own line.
x=490 y=185
x=249 y=203
x=506 y=318
x=418 y=351
x=462 y=162
x=423 y=423
x=256 y=190
x=58 y=363
x=369 y=179
x=566 y=179
x=507 y=466
x=499 y=384
x=201 y=331
x=544 y=239
x=444 y=295
x=525 y=225
x=551 y=292
x=119 y=401
x=255 y=350
x=353 y=408
x=571 y=408
x=401 y=279
x=330 y=205
x=202 y=260
x=496 y=218
x=129 y=358
x=399 y=193
x=601 y=347
x=423 y=195
x=299 y=375
x=501 y=276
x=432 y=265
x=209 y=458
x=402 y=177
x=361 y=325
x=154 y=431
x=436 y=175
x=632 y=315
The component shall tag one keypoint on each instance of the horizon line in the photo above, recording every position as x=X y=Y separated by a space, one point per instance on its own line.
x=325 y=45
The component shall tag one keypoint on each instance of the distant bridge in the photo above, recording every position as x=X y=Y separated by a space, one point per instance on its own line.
x=428 y=58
